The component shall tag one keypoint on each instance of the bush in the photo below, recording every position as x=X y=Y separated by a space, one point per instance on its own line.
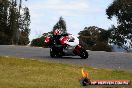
x=85 y=45
x=38 y=42
x=101 y=46
x=4 y=39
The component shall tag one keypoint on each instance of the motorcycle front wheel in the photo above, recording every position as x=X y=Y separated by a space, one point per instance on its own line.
x=52 y=53
x=55 y=52
x=83 y=54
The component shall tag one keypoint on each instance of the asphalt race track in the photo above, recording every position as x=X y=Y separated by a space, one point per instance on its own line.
x=97 y=59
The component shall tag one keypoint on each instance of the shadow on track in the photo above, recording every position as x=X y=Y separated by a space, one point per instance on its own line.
x=64 y=57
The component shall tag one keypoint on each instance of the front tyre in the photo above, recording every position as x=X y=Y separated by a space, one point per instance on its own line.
x=83 y=54
x=55 y=52
x=52 y=53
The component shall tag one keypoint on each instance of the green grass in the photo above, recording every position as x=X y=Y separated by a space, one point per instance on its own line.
x=27 y=73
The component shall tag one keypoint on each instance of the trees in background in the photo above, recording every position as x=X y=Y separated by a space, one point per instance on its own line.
x=95 y=38
x=14 y=22
x=122 y=34
x=61 y=25
x=24 y=27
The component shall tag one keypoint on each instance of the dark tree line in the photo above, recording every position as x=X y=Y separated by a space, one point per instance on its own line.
x=14 y=22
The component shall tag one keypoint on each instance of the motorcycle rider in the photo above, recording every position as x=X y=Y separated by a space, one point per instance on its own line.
x=57 y=34
x=56 y=44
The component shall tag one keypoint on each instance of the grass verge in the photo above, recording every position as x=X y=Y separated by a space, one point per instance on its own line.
x=27 y=73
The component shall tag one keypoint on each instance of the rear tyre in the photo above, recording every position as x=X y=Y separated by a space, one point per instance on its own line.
x=84 y=54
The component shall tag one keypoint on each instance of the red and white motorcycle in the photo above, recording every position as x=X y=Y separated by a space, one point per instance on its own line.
x=69 y=47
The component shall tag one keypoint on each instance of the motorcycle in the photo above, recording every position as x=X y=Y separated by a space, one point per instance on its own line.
x=69 y=46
